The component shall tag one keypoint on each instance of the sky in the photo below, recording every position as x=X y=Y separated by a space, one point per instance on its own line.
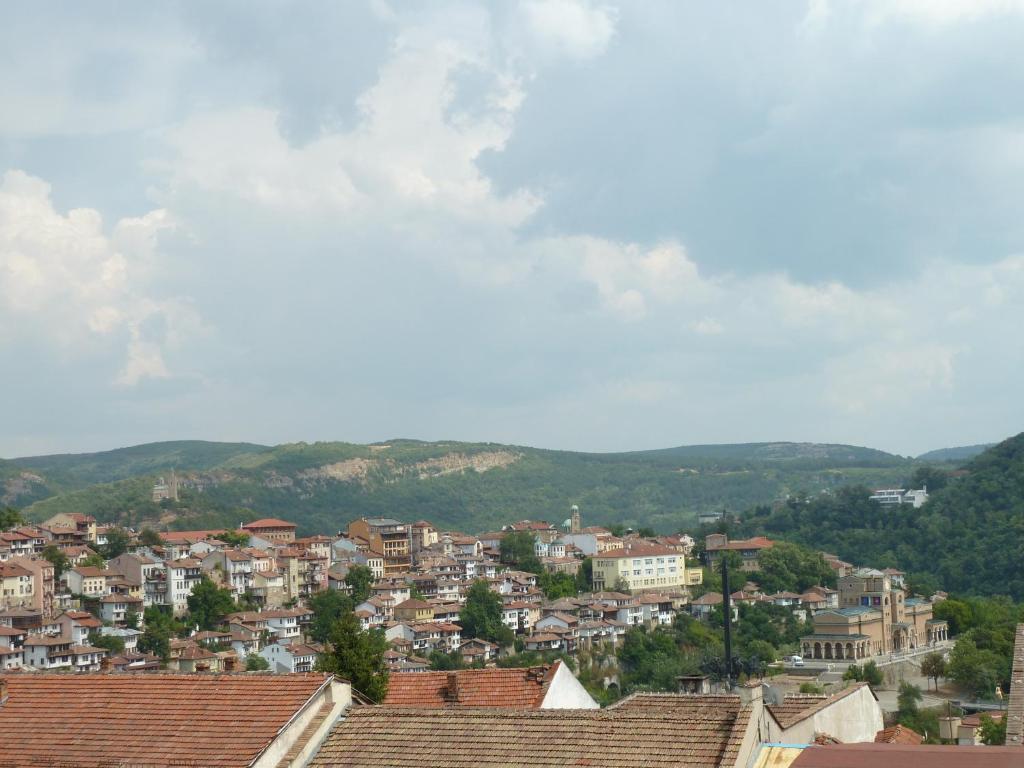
x=563 y=223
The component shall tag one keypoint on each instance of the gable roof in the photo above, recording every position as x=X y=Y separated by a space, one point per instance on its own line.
x=52 y=719
x=268 y=522
x=546 y=738
x=795 y=708
x=898 y=734
x=520 y=688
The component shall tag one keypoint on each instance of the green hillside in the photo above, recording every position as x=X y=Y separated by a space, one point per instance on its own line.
x=77 y=470
x=468 y=486
x=968 y=538
x=959 y=454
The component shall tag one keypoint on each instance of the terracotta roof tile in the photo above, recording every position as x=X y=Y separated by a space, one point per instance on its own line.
x=94 y=720
x=547 y=738
x=524 y=688
x=898 y=734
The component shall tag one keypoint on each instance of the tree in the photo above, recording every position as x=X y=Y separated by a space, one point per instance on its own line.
x=359 y=580
x=872 y=674
x=956 y=613
x=519 y=549
x=327 y=607
x=117 y=543
x=557 y=585
x=160 y=627
x=234 y=538
x=907 y=699
x=56 y=556
x=585 y=576
x=112 y=643
x=993 y=733
x=358 y=657
x=932 y=478
x=481 y=615
x=10 y=518
x=150 y=538
x=441 y=661
x=209 y=604
x=131 y=619
x=256 y=663
x=933 y=666
x=793 y=568
x=95 y=560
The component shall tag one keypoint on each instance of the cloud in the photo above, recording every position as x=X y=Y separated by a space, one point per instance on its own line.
x=64 y=282
x=579 y=29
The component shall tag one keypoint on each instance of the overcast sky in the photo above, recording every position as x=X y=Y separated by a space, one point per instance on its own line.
x=563 y=223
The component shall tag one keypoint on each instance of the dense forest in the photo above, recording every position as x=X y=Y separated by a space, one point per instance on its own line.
x=968 y=538
x=469 y=486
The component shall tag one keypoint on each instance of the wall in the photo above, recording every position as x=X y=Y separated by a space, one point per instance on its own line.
x=566 y=692
x=341 y=697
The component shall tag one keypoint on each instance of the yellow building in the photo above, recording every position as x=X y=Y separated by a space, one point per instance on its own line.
x=639 y=567
x=873 y=618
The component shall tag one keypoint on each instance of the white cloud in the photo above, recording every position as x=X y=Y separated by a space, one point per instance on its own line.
x=63 y=281
x=577 y=28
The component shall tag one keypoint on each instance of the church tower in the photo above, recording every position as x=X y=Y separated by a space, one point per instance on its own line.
x=575 y=525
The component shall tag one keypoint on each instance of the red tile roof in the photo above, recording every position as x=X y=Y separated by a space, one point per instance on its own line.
x=898 y=734
x=523 y=688
x=268 y=522
x=160 y=720
x=468 y=737
x=869 y=755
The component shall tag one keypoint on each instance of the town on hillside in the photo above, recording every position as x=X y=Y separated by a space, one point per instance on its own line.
x=535 y=616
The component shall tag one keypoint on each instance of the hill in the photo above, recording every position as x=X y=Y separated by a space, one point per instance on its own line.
x=469 y=486
x=957 y=455
x=968 y=538
x=77 y=470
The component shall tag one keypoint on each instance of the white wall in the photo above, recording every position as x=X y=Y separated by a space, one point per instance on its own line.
x=566 y=692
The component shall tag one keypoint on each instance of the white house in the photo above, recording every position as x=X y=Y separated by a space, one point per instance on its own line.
x=294 y=657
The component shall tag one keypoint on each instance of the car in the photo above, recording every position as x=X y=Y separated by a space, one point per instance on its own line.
x=796 y=661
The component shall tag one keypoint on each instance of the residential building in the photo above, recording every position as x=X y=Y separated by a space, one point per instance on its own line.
x=17 y=586
x=168 y=720
x=639 y=567
x=81 y=527
x=182 y=577
x=894 y=496
x=271 y=529
x=87 y=580
x=387 y=536
x=293 y=657
x=235 y=567
x=413 y=610
x=749 y=550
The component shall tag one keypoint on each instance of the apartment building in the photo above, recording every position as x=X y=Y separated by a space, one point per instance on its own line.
x=387 y=536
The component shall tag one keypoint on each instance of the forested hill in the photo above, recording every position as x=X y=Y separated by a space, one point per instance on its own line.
x=468 y=486
x=968 y=538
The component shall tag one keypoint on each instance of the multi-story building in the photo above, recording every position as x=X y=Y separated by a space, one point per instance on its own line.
x=387 y=536
x=639 y=567
x=44 y=588
x=873 y=617
x=82 y=526
x=235 y=567
x=87 y=580
x=17 y=586
x=182 y=577
x=749 y=550
x=271 y=529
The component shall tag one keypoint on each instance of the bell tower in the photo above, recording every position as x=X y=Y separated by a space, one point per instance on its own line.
x=575 y=524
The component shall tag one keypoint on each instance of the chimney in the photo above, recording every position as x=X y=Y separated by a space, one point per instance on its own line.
x=105 y=664
x=749 y=692
x=3 y=692
x=230 y=663
x=451 y=691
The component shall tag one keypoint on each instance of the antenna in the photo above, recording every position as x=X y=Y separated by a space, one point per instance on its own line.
x=727 y=618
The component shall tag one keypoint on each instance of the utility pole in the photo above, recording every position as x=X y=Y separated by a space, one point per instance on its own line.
x=727 y=619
